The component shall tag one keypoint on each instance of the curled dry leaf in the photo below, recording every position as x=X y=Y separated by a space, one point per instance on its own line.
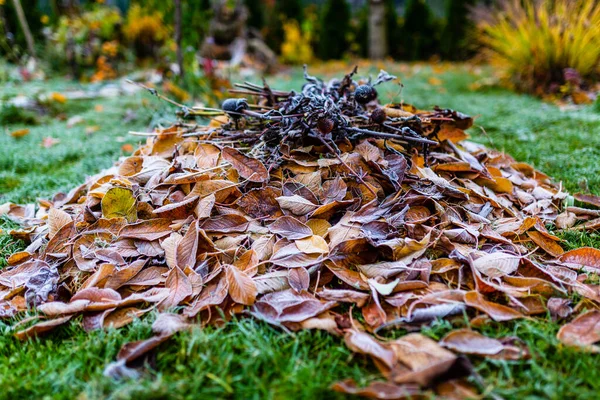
x=582 y=257
x=379 y=390
x=588 y=199
x=179 y=286
x=364 y=343
x=298 y=279
x=248 y=168
x=496 y=311
x=470 y=342
x=42 y=327
x=56 y=220
x=242 y=288
x=168 y=324
x=583 y=331
x=424 y=359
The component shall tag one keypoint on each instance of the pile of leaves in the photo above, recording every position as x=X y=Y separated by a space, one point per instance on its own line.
x=317 y=209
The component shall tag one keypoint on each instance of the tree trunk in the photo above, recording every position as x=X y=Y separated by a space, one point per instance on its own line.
x=178 y=36
x=378 y=47
x=25 y=27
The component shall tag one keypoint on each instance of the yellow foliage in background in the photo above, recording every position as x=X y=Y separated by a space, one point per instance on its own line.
x=296 y=48
x=535 y=41
x=144 y=25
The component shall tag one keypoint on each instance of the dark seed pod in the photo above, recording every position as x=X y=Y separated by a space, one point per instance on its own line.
x=234 y=105
x=325 y=125
x=378 y=115
x=365 y=93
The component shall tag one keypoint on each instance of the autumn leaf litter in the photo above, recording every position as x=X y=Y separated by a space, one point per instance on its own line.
x=316 y=209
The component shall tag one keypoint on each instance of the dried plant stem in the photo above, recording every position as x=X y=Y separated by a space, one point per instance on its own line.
x=357 y=176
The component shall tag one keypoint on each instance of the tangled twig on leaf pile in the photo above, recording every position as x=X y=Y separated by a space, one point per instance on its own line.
x=300 y=203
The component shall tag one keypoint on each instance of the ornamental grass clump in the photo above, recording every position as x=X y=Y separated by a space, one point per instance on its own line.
x=538 y=44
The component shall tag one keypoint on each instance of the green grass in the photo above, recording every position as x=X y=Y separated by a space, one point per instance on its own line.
x=246 y=358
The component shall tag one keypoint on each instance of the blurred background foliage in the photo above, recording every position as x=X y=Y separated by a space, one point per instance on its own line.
x=539 y=46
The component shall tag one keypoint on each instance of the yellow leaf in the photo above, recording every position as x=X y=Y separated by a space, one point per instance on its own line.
x=318 y=226
x=119 y=202
x=19 y=133
x=314 y=244
x=58 y=98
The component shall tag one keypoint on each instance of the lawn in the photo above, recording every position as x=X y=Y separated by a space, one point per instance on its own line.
x=248 y=359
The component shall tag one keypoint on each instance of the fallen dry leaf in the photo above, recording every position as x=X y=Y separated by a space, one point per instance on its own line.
x=583 y=331
x=19 y=133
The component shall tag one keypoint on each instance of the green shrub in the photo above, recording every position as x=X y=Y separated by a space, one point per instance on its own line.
x=392 y=29
x=458 y=29
x=419 y=32
x=335 y=24
x=256 y=17
x=11 y=115
x=361 y=35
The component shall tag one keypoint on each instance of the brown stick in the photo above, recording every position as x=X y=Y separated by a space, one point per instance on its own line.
x=178 y=37
x=25 y=27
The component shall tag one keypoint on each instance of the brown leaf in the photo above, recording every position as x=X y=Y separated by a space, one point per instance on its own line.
x=133 y=350
x=344 y=295
x=187 y=248
x=470 y=342
x=121 y=317
x=56 y=220
x=205 y=206
x=583 y=331
x=588 y=199
x=261 y=203
x=227 y=223
x=379 y=390
x=582 y=257
x=299 y=279
x=56 y=308
x=42 y=327
x=179 y=288
x=559 y=308
x=425 y=359
x=242 y=288
x=290 y=257
x=19 y=133
x=247 y=262
x=295 y=204
x=318 y=226
x=288 y=306
x=221 y=189
x=497 y=264
x=496 y=311
x=97 y=295
x=248 y=168
x=151 y=229
x=179 y=210
x=290 y=228
x=547 y=244
x=364 y=343
x=168 y=324
x=150 y=276
x=123 y=275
